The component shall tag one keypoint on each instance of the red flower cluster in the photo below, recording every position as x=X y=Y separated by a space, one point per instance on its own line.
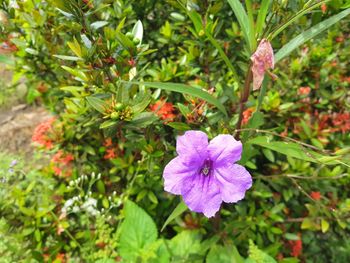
x=296 y=247
x=315 y=195
x=61 y=163
x=165 y=110
x=111 y=151
x=335 y=122
x=41 y=134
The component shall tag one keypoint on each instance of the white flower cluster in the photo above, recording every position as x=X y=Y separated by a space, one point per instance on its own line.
x=78 y=204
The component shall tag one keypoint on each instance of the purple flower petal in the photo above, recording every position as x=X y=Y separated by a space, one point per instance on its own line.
x=234 y=180
x=174 y=174
x=224 y=149
x=192 y=147
x=202 y=194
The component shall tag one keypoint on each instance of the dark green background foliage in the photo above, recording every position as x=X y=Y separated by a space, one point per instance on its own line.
x=99 y=65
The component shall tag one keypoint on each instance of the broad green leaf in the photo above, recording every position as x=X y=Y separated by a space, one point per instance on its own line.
x=260 y=22
x=308 y=34
x=138 y=232
x=186 y=244
x=243 y=20
x=224 y=254
x=98 y=104
x=182 y=88
x=180 y=208
x=258 y=256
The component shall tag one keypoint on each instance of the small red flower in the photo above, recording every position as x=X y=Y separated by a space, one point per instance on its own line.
x=110 y=154
x=324 y=8
x=315 y=195
x=246 y=115
x=108 y=142
x=41 y=134
x=57 y=170
x=296 y=247
x=304 y=90
x=165 y=110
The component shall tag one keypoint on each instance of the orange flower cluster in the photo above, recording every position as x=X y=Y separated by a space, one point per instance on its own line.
x=111 y=151
x=296 y=246
x=165 y=110
x=246 y=115
x=61 y=163
x=41 y=134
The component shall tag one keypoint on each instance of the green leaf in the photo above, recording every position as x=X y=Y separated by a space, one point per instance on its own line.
x=105 y=260
x=75 y=47
x=181 y=88
x=308 y=34
x=243 y=20
x=295 y=17
x=222 y=53
x=138 y=232
x=180 y=208
x=98 y=104
x=224 y=254
x=71 y=58
x=258 y=256
x=291 y=149
x=185 y=245
x=77 y=73
x=137 y=31
x=260 y=22
x=324 y=226
x=180 y=126
x=143 y=119
x=98 y=24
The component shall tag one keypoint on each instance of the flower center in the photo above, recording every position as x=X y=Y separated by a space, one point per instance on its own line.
x=206 y=168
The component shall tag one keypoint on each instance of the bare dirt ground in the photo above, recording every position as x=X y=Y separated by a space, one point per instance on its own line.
x=17 y=121
x=17 y=126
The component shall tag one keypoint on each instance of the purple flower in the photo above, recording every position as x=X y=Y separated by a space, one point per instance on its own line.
x=205 y=174
x=13 y=163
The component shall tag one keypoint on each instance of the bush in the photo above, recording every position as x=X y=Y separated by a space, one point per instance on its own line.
x=124 y=78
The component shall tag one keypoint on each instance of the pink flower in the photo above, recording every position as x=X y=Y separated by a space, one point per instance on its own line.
x=262 y=59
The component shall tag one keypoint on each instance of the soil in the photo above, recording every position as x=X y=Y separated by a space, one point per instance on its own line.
x=17 y=126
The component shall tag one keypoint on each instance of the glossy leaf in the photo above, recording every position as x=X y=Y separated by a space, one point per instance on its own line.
x=182 y=88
